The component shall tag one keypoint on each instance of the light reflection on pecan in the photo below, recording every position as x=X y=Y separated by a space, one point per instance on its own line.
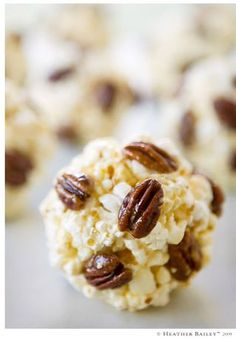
x=150 y=156
x=106 y=271
x=74 y=191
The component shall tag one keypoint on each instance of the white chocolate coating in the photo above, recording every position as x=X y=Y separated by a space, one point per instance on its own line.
x=73 y=236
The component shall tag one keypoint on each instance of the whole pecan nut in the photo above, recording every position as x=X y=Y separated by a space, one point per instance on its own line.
x=218 y=198
x=74 y=191
x=226 y=112
x=105 y=93
x=67 y=133
x=17 y=167
x=232 y=161
x=61 y=74
x=106 y=271
x=185 y=258
x=218 y=195
x=150 y=156
x=234 y=81
x=187 y=129
x=140 y=208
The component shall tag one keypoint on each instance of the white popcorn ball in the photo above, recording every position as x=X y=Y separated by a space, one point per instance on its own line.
x=133 y=241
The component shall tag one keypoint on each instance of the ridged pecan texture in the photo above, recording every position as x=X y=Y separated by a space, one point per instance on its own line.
x=141 y=208
x=151 y=156
x=185 y=258
x=73 y=191
x=106 y=271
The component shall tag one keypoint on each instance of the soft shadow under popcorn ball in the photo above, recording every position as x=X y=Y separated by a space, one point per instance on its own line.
x=130 y=224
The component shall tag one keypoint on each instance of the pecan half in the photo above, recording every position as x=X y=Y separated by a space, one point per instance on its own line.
x=67 y=133
x=150 y=156
x=187 y=129
x=234 y=81
x=218 y=198
x=106 y=271
x=105 y=95
x=233 y=161
x=188 y=64
x=74 y=191
x=140 y=208
x=16 y=38
x=185 y=258
x=17 y=167
x=218 y=195
x=226 y=112
x=61 y=74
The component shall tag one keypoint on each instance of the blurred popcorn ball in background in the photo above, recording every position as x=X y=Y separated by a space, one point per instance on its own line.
x=29 y=145
x=203 y=119
x=179 y=41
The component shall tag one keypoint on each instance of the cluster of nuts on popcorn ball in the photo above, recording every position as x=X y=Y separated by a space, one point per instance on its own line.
x=129 y=225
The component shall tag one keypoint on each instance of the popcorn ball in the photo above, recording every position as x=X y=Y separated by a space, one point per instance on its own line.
x=203 y=120
x=182 y=40
x=130 y=224
x=28 y=145
x=216 y=24
x=84 y=105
